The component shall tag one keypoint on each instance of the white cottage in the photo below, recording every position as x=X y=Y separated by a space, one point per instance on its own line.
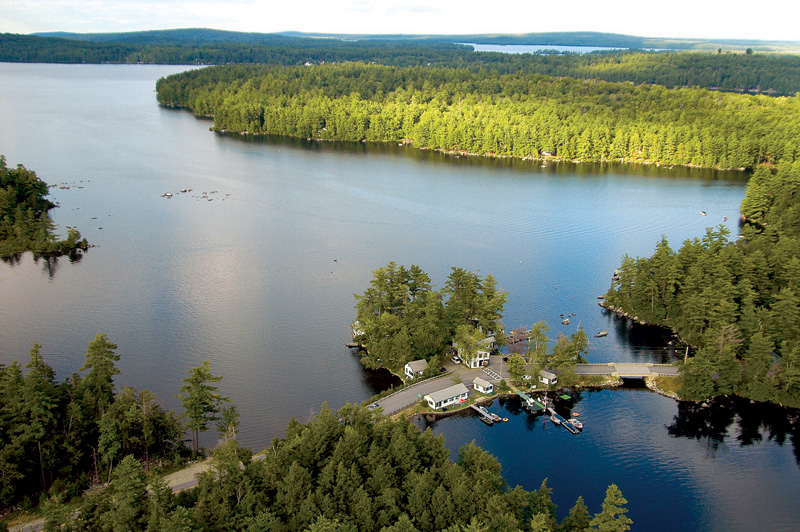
x=547 y=377
x=415 y=368
x=454 y=395
x=482 y=385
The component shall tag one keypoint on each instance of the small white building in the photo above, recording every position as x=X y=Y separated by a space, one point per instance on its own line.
x=454 y=395
x=547 y=377
x=415 y=368
x=481 y=357
x=483 y=386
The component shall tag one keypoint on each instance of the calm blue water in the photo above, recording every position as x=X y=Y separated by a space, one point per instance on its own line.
x=535 y=48
x=260 y=280
x=732 y=466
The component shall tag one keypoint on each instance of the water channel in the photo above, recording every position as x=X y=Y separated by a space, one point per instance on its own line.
x=258 y=277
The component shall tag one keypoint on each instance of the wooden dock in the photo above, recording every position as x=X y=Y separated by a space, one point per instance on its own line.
x=559 y=420
x=486 y=417
x=532 y=404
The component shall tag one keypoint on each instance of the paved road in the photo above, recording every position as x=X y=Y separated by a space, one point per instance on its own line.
x=455 y=373
x=497 y=370
x=627 y=370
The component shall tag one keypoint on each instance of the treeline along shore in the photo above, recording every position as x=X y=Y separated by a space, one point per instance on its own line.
x=736 y=301
x=510 y=115
x=82 y=443
x=740 y=70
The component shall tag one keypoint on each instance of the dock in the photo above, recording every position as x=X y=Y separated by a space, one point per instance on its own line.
x=532 y=404
x=559 y=420
x=486 y=417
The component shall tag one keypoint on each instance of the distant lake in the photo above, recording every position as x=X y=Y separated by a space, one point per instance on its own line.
x=260 y=280
x=536 y=48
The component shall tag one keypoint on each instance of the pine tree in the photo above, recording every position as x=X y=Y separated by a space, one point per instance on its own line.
x=612 y=518
x=129 y=488
x=201 y=401
x=578 y=518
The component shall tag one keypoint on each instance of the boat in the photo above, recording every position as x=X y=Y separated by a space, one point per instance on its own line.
x=575 y=423
x=575 y=414
x=565 y=321
x=703 y=213
x=487 y=420
x=601 y=334
x=555 y=420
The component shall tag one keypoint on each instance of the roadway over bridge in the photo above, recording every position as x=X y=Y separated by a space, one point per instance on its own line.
x=627 y=370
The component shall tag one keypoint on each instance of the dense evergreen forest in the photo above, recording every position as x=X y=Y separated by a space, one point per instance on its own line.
x=736 y=301
x=349 y=471
x=514 y=115
x=58 y=438
x=758 y=72
x=402 y=318
x=25 y=224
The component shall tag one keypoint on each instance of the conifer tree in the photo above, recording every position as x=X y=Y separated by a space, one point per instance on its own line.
x=612 y=517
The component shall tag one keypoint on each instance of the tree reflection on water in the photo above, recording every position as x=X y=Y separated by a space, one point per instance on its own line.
x=752 y=422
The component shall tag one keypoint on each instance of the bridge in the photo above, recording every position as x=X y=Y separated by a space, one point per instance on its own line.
x=628 y=370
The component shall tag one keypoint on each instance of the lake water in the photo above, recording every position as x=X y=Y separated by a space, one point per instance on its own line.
x=536 y=48
x=260 y=280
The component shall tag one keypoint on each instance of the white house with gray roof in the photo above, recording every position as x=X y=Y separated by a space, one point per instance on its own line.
x=547 y=377
x=415 y=368
x=453 y=395
x=482 y=385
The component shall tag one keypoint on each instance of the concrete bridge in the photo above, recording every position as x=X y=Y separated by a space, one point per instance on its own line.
x=627 y=370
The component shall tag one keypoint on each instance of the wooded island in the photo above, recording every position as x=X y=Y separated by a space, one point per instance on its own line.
x=25 y=224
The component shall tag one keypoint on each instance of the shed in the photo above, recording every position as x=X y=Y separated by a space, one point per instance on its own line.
x=456 y=394
x=547 y=377
x=482 y=385
x=415 y=368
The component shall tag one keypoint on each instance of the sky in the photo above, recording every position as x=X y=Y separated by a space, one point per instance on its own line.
x=707 y=19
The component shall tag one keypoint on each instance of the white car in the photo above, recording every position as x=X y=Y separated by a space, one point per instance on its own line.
x=456 y=359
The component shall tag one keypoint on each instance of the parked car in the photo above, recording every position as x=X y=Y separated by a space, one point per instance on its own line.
x=373 y=406
x=456 y=359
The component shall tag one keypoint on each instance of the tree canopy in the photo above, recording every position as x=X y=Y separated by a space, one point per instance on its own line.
x=402 y=318
x=351 y=470
x=25 y=224
x=57 y=438
x=736 y=301
x=486 y=113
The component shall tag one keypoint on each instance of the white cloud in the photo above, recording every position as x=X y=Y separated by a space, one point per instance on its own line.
x=679 y=18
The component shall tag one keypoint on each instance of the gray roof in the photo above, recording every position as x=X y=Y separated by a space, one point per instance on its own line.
x=487 y=340
x=547 y=374
x=447 y=393
x=481 y=382
x=418 y=366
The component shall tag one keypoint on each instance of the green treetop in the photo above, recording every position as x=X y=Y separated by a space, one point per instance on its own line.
x=200 y=400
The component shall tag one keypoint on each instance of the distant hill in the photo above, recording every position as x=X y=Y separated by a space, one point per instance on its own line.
x=732 y=70
x=177 y=37
x=201 y=36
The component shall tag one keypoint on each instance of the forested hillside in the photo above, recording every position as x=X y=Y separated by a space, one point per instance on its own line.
x=771 y=73
x=513 y=115
x=736 y=301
